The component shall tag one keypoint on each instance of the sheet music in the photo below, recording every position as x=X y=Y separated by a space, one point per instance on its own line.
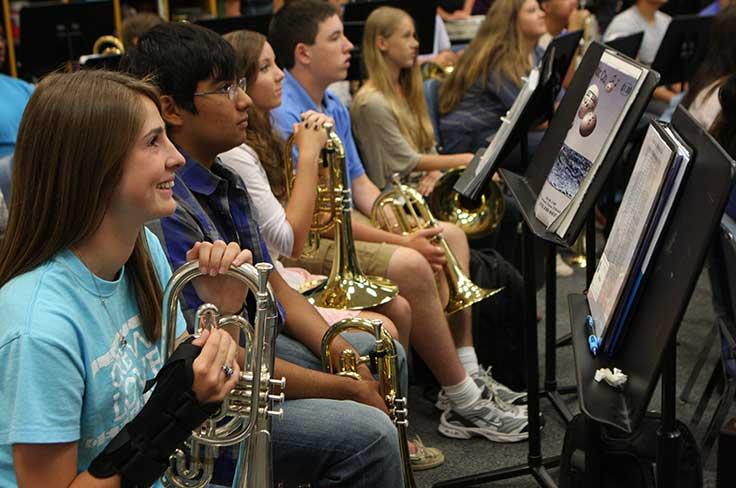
x=612 y=90
x=629 y=227
x=507 y=124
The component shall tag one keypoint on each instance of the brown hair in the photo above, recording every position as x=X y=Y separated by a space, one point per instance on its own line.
x=497 y=46
x=411 y=113
x=76 y=132
x=260 y=135
x=136 y=25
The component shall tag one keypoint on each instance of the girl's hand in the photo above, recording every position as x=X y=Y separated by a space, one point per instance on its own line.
x=428 y=181
x=216 y=370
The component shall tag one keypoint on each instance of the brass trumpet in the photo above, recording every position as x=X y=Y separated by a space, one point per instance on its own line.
x=245 y=415
x=475 y=217
x=386 y=364
x=346 y=287
x=402 y=210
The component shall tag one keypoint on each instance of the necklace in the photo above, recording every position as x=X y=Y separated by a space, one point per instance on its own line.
x=122 y=341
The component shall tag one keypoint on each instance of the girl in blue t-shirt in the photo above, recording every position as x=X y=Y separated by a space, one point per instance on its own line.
x=81 y=279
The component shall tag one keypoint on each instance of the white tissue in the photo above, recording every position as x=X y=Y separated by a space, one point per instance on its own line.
x=615 y=378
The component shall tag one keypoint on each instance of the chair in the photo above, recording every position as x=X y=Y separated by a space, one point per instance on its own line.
x=724 y=372
x=432 y=96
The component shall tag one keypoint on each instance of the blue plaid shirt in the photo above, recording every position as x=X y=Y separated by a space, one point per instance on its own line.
x=211 y=204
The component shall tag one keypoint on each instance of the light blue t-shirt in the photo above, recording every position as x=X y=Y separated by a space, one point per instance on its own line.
x=296 y=100
x=74 y=357
x=14 y=95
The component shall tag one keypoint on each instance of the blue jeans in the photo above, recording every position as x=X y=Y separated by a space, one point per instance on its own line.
x=331 y=443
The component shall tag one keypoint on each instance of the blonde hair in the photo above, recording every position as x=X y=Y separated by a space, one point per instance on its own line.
x=498 y=46
x=412 y=115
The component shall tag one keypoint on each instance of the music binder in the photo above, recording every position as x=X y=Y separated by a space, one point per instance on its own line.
x=655 y=182
x=606 y=102
x=664 y=296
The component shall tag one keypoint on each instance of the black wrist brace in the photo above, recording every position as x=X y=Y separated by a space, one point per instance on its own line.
x=140 y=452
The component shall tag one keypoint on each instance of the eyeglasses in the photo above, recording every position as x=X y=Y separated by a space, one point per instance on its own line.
x=231 y=90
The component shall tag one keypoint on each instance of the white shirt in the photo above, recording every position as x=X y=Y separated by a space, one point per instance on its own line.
x=630 y=21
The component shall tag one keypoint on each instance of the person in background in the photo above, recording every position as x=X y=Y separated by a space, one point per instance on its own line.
x=724 y=130
x=488 y=75
x=702 y=98
x=134 y=26
x=390 y=118
x=561 y=16
x=645 y=16
x=455 y=9
x=16 y=94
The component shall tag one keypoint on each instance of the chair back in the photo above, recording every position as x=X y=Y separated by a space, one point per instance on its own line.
x=432 y=96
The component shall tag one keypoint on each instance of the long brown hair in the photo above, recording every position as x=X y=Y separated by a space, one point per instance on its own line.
x=76 y=132
x=498 y=46
x=720 y=60
x=411 y=113
x=260 y=135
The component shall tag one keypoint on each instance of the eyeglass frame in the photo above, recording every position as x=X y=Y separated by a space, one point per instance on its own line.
x=231 y=90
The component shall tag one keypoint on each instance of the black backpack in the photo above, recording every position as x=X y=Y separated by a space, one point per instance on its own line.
x=621 y=460
x=498 y=321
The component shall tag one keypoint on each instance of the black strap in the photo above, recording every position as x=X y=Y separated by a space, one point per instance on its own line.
x=140 y=451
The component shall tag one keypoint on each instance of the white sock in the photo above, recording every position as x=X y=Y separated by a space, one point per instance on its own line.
x=469 y=360
x=464 y=394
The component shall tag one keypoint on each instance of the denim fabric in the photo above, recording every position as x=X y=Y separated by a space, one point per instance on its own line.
x=335 y=443
x=330 y=443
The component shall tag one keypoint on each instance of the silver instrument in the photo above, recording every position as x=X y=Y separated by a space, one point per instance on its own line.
x=245 y=415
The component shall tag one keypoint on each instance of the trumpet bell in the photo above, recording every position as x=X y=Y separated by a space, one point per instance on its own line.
x=475 y=217
x=350 y=291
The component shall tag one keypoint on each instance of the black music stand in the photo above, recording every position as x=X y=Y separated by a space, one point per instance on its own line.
x=627 y=45
x=422 y=11
x=58 y=34
x=223 y=25
x=525 y=189
x=682 y=48
x=648 y=349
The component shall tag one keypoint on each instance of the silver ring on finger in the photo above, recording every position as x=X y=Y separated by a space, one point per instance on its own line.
x=227 y=370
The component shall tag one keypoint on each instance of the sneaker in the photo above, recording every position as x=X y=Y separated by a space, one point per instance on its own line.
x=488 y=392
x=425 y=457
x=483 y=418
x=500 y=391
x=562 y=268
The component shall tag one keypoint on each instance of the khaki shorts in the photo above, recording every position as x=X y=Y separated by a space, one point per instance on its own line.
x=373 y=257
